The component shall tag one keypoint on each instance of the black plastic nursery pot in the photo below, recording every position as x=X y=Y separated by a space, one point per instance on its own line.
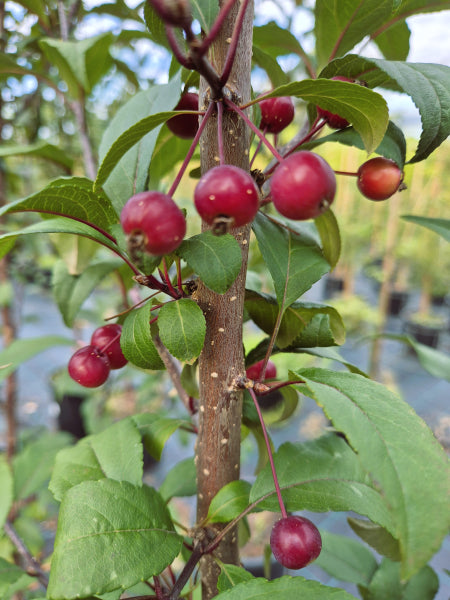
x=397 y=302
x=424 y=334
x=333 y=286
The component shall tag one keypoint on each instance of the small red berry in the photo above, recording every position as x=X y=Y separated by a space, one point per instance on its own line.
x=109 y=336
x=254 y=371
x=89 y=367
x=227 y=192
x=334 y=121
x=379 y=178
x=295 y=542
x=303 y=186
x=185 y=126
x=154 y=222
x=276 y=114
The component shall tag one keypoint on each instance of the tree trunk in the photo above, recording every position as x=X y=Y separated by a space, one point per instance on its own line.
x=222 y=359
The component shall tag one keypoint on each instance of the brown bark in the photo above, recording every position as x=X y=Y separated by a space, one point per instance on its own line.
x=222 y=359
x=8 y=322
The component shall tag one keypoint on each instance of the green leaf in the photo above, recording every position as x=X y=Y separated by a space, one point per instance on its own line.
x=394 y=42
x=6 y=485
x=377 y=537
x=288 y=588
x=115 y=453
x=9 y=574
x=365 y=109
x=180 y=480
x=304 y=324
x=19 y=351
x=56 y=225
x=276 y=40
x=166 y=145
x=389 y=438
x=427 y=84
x=339 y=26
x=265 y=61
x=33 y=466
x=71 y=197
x=387 y=582
x=70 y=291
x=231 y=575
x=128 y=142
x=205 y=11
x=100 y=523
x=328 y=229
x=434 y=361
x=136 y=340
x=294 y=261
x=182 y=328
x=440 y=226
x=346 y=559
x=393 y=144
x=216 y=259
x=156 y=430
x=229 y=502
x=80 y=63
x=321 y=475
x=40 y=150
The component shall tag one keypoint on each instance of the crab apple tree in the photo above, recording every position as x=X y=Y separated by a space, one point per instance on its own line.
x=208 y=224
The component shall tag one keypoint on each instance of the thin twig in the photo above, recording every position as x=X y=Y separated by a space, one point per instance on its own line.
x=173 y=371
x=32 y=566
x=231 y=54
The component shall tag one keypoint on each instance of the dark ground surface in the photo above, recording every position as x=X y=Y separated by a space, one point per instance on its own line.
x=429 y=396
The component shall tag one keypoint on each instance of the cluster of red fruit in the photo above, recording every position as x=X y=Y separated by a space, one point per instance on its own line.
x=295 y=541
x=302 y=186
x=91 y=364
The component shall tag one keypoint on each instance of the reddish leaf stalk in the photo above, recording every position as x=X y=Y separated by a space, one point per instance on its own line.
x=255 y=130
x=191 y=150
x=269 y=452
x=231 y=55
x=217 y=25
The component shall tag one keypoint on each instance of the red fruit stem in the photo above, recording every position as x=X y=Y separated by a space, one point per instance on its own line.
x=231 y=54
x=220 y=132
x=346 y=173
x=130 y=308
x=173 y=291
x=111 y=341
x=216 y=26
x=153 y=320
x=158 y=589
x=258 y=148
x=191 y=150
x=317 y=125
x=269 y=452
x=177 y=52
x=255 y=130
x=179 y=278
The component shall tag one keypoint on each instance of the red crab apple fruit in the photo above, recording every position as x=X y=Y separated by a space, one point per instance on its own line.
x=276 y=114
x=379 y=178
x=227 y=192
x=303 y=186
x=333 y=120
x=254 y=371
x=185 y=126
x=295 y=542
x=107 y=340
x=89 y=367
x=153 y=221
